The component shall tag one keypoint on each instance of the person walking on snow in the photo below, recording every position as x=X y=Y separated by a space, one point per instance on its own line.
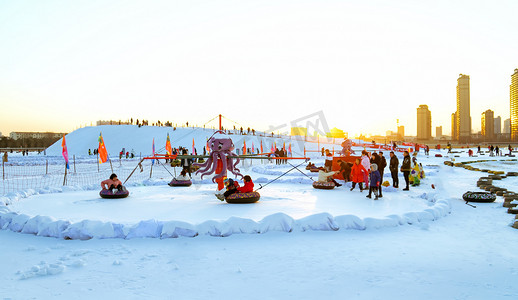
x=406 y=167
x=367 y=166
x=375 y=182
x=357 y=172
x=393 y=167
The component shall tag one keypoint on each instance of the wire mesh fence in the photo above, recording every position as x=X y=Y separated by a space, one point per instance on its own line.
x=47 y=173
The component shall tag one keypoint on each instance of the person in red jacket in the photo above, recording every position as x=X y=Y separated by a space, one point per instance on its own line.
x=248 y=186
x=357 y=173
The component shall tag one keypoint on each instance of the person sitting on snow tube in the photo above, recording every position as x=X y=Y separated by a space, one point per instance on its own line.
x=248 y=187
x=310 y=166
x=183 y=176
x=231 y=186
x=112 y=183
x=324 y=176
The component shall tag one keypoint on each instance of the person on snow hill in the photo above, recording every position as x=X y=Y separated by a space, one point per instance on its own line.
x=357 y=172
x=394 y=164
x=183 y=176
x=406 y=168
x=248 y=187
x=112 y=183
x=329 y=161
x=324 y=176
x=367 y=166
x=345 y=169
x=375 y=182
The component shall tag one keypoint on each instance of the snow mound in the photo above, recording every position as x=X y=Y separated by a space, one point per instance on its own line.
x=88 y=229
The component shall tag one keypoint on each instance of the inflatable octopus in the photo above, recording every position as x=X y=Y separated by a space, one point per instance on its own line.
x=221 y=154
x=347 y=145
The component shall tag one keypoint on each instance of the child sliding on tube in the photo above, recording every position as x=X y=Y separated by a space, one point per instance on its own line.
x=231 y=187
x=112 y=183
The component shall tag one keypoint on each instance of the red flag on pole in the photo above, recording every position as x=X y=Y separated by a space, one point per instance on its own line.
x=168 y=147
x=103 y=154
x=65 y=151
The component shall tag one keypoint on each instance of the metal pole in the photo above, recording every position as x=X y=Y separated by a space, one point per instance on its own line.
x=65 y=177
x=97 y=161
x=74 y=163
x=151 y=171
x=3 y=170
x=46 y=167
x=111 y=165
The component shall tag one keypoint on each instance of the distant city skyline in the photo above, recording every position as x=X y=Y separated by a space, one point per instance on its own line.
x=261 y=63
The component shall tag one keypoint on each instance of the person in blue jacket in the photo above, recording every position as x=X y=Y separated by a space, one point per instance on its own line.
x=374 y=181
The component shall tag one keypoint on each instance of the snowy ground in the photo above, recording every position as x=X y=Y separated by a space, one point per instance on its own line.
x=468 y=254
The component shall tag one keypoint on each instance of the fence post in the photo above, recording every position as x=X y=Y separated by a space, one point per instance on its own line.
x=3 y=170
x=65 y=177
x=46 y=167
x=74 y=163
x=97 y=161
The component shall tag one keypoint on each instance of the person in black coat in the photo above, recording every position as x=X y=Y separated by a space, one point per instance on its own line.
x=393 y=167
x=186 y=163
x=406 y=167
x=345 y=169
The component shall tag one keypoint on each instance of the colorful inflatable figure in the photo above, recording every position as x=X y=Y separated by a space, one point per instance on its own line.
x=220 y=160
x=347 y=145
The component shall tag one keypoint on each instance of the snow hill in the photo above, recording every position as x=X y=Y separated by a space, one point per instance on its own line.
x=140 y=140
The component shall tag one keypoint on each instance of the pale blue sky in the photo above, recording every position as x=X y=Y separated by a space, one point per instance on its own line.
x=364 y=63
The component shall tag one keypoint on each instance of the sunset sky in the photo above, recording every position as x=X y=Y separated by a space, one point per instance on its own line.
x=65 y=64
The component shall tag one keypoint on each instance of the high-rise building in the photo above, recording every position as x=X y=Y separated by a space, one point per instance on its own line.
x=488 y=124
x=424 y=123
x=438 y=132
x=498 y=125
x=507 y=126
x=513 y=93
x=463 y=120
x=454 y=126
x=401 y=131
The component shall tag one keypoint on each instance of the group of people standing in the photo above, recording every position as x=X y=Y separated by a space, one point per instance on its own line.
x=368 y=170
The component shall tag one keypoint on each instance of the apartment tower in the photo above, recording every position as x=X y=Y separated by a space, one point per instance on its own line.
x=424 y=123
x=488 y=125
x=463 y=118
x=513 y=89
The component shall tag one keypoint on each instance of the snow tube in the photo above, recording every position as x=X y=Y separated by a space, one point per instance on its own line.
x=324 y=185
x=438 y=155
x=314 y=170
x=243 y=197
x=175 y=182
x=478 y=197
x=108 y=194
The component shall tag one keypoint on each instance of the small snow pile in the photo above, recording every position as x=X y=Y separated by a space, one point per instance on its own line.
x=43 y=269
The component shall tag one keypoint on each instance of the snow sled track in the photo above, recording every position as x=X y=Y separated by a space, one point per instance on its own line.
x=281 y=209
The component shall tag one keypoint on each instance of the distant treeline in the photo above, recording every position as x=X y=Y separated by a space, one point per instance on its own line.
x=7 y=142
